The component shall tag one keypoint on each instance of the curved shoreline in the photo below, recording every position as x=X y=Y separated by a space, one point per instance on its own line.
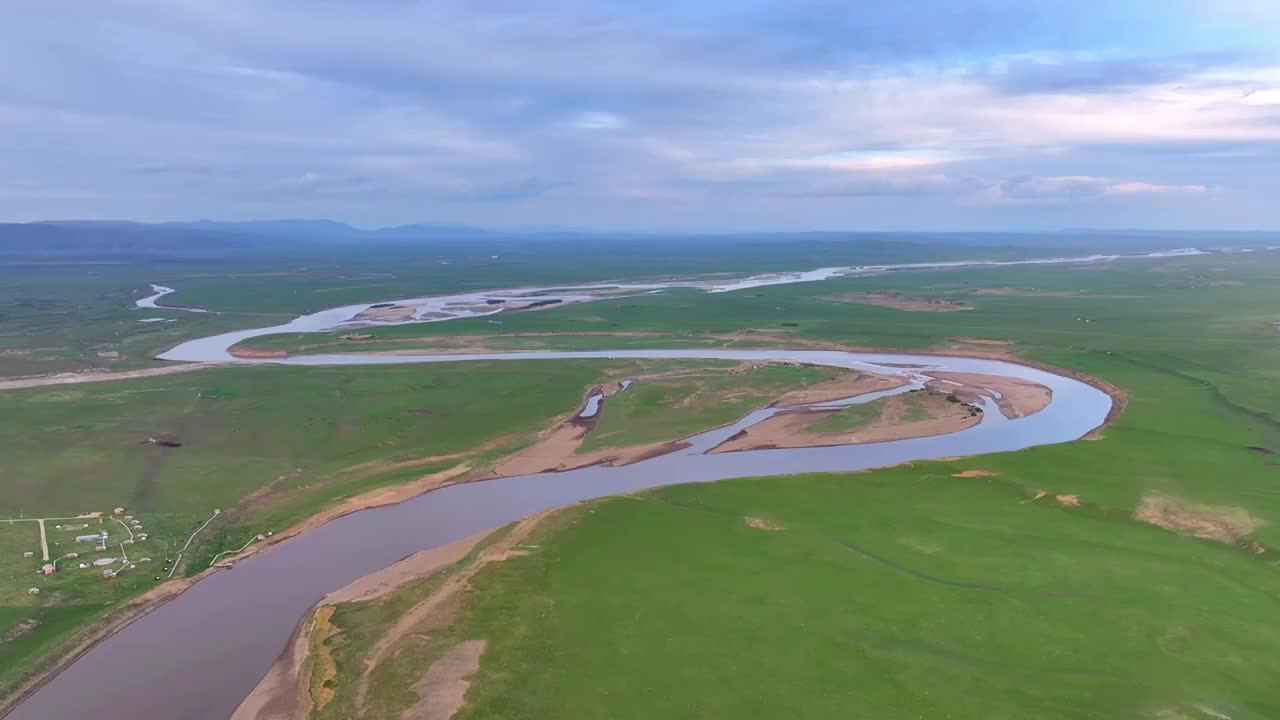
x=598 y=478
x=138 y=608
x=884 y=361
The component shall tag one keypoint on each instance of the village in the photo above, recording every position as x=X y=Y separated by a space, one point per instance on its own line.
x=105 y=544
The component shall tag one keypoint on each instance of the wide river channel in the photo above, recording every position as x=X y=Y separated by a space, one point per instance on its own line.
x=197 y=656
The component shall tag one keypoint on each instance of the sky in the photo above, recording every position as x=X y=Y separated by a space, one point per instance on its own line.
x=708 y=115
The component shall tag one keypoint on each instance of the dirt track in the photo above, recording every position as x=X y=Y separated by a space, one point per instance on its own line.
x=92 y=377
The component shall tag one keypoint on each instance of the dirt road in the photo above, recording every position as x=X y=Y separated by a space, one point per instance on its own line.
x=92 y=377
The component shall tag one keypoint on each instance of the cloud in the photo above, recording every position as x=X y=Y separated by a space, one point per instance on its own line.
x=598 y=121
x=1078 y=187
x=1044 y=74
x=395 y=111
x=1025 y=188
x=171 y=168
x=894 y=185
x=504 y=192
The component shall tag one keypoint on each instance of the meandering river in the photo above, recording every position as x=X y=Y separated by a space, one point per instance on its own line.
x=199 y=655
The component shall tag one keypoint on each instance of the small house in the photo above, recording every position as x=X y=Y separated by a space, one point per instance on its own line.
x=48 y=569
x=118 y=511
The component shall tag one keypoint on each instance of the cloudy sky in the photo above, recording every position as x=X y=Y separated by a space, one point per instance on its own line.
x=700 y=114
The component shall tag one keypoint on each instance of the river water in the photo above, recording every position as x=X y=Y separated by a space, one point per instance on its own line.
x=199 y=655
x=442 y=308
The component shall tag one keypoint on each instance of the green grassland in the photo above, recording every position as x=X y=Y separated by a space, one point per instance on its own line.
x=307 y=437
x=61 y=313
x=902 y=592
x=909 y=592
x=73 y=318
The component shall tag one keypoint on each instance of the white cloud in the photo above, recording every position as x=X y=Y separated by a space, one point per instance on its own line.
x=598 y=120
x=1081 y=187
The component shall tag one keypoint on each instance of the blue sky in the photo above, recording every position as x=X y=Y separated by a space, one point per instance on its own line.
x=714 y=115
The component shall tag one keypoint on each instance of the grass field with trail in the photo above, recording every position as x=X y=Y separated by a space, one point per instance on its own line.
x=1034 y=586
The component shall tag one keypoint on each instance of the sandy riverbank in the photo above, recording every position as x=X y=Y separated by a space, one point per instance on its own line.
x=283 y=694
x=1015 y=397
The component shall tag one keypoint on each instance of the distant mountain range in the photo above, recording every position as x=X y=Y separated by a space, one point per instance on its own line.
x=201 y=238
x=300 y=228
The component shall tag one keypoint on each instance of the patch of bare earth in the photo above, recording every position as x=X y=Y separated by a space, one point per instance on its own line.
x=1017 y=398
x=1068 y=500
x=762 y=524
x=1196 y=712
x=18 y=630
x=254 y=354
x=975 y=474
x=901 y=302
x=443 y=688
x=1228 y=525
x=792 y=429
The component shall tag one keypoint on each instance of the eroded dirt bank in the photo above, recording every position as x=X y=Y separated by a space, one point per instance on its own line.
x=283 y=693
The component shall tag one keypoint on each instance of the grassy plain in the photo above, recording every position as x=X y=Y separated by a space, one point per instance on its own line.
x=899 y=593
x=271 y=446
x=1082 y=612
x=1012 y=585
x=64 y=312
